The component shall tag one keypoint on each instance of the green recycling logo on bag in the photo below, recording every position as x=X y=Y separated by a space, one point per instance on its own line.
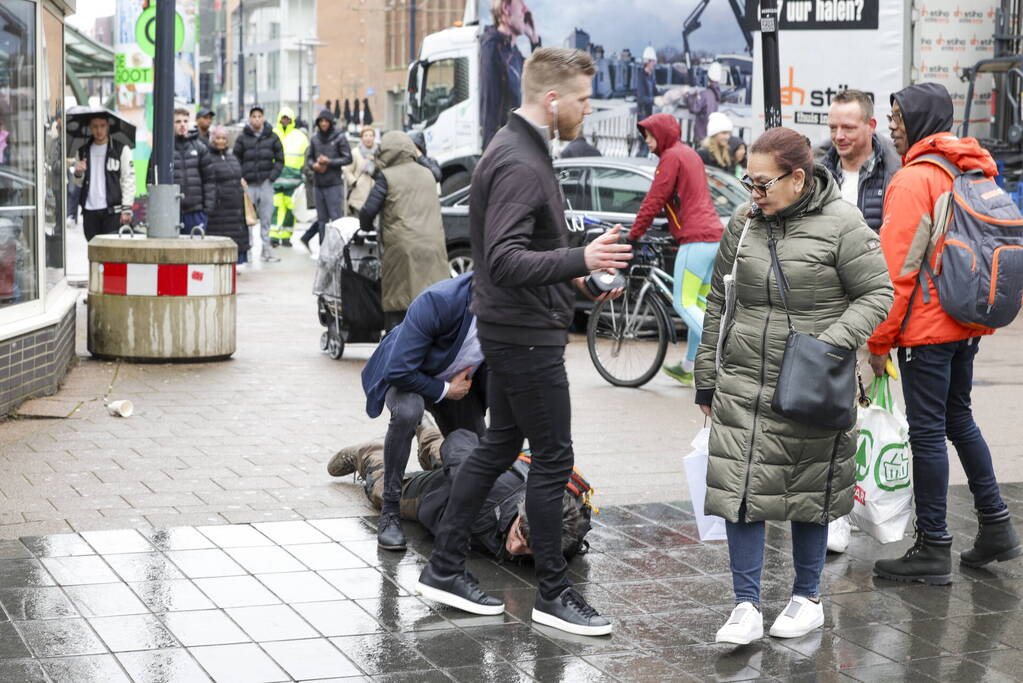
x=866 y=446
x=892 y=468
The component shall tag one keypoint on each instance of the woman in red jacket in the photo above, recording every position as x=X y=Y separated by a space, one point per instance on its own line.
x=680 y=189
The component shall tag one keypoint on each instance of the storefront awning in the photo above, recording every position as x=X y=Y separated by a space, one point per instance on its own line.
x=86 y=58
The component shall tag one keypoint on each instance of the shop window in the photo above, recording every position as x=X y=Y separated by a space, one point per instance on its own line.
x=19 y=268
x=56 y=163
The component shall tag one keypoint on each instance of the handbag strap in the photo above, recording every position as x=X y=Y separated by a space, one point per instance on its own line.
x=738 y=246
x=779 y=275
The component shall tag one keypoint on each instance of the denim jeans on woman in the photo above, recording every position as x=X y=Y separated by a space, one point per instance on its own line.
x=746 y=553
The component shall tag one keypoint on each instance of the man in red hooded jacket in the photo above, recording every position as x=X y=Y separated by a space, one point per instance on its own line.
x=935 y=351
x=680 y=190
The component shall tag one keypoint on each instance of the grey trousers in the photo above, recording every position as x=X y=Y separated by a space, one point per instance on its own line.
x=329 y=201
x=262 y=196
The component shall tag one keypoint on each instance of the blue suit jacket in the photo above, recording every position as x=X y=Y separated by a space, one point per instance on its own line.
x=422 y=346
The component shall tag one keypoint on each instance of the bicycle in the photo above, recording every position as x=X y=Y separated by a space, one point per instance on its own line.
x=628 y=337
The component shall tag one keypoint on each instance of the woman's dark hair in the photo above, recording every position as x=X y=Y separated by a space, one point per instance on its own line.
x=571 y=519
x=791 y=150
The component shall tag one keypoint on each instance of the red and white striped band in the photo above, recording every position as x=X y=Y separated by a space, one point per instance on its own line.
x=163 y=279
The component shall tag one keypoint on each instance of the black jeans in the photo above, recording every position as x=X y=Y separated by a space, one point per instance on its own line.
x=101 y=222
x=936 y=383
x=528 y=398
x=406 y=411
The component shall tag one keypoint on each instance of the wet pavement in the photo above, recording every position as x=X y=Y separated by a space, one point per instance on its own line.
x=316 y=600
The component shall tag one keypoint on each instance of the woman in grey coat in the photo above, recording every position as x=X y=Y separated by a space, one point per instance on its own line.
x=764 y=466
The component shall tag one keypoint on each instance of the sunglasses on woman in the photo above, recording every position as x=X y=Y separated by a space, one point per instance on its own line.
x=748 y=183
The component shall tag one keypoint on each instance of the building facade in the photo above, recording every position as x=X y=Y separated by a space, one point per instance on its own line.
x=37 y=306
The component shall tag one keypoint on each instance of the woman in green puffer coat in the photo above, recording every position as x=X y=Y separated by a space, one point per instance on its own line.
x=764 y=466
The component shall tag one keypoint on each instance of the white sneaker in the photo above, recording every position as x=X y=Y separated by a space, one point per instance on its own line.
x=800 y=616
x=744 y=625
x=839 y=532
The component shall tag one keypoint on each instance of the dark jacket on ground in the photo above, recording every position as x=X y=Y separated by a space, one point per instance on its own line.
x=261 y=156
x=192 y=175
x=523 y=292
x=228 y=216
x=579 y=148
x=838 y=292
x=425 y=344
x=499 y=510
x=679 y=187
x=875 y=174
x=332 y=144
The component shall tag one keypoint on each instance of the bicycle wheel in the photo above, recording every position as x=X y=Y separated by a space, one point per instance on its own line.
x=628 y=338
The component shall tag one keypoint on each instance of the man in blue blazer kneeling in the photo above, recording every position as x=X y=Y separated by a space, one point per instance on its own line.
x=427 y=363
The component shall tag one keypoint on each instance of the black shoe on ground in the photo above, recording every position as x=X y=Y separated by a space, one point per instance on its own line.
x=389 y=533
x=305 y=243
x=460 y=591
x=274 y=242
x=996 y=540
x=928 y=561
x=286 y=243
x=571 y=613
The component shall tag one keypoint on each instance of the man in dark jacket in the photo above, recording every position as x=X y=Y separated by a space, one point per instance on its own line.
x=192 y=175
x=500 y=528
x=203 y=124
x=430 y=362
x=860 y=160
x=262 y=158
x=524 y=302
x=328 y=151
x=106 y=175
x=501 y=63
x=579 y=148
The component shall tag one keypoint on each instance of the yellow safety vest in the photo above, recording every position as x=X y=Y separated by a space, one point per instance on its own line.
x=295 y=143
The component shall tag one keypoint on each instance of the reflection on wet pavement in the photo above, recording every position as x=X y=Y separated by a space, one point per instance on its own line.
x=315 y=600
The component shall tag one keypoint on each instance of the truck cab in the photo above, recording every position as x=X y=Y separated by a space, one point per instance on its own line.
x=442 y=100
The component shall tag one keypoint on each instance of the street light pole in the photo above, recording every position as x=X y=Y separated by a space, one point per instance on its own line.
x=164 y=211
x=301 y=54
x=772 y=75
x=412 y=30
x=241 y=60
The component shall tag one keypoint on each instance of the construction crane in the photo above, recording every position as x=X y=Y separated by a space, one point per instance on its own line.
x=692 y=23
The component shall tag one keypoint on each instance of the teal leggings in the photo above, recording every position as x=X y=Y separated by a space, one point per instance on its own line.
x=694 y=265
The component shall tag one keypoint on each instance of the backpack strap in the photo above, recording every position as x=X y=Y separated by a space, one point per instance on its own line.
x=941 y=162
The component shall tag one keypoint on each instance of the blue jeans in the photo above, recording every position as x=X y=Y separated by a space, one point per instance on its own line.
x=191 y=219
x=696 y=259
x=746 y=555
x=936 y=383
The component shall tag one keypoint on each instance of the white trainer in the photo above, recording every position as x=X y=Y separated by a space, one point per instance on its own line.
x=839 y=532
x=745 y=624
x=800 y=616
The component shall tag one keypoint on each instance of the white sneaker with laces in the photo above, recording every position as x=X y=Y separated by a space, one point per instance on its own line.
x=744 y=625
x=799 y=617
x=839 y=532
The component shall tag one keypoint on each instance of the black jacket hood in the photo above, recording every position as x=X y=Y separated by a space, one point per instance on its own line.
x=325 y=114
x=926 y=110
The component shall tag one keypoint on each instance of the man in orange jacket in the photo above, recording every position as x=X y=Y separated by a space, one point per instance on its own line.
x=935 y=351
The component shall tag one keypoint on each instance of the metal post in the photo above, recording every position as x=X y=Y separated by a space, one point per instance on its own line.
x=164 y=201
x=241 y=60
x=412 y=30
x=772 y=77
x=301 y=54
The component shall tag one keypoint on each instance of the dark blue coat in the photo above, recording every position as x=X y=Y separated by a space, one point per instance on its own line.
x=423 y=345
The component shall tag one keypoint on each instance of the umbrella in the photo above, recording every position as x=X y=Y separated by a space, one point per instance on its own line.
x=77 y=126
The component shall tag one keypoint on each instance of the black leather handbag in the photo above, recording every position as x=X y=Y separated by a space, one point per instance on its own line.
x=817 y=381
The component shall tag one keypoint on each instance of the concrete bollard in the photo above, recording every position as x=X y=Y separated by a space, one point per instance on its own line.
x=162 y=299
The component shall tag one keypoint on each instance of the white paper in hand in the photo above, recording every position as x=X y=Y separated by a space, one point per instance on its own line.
x=711 y=528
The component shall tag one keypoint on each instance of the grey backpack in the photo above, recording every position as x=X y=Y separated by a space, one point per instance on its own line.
x=978 y=236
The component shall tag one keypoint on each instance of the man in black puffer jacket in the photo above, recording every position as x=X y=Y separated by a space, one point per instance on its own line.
x=524 y=300
x=861 y=161
x=327 y=153
x=192 y=175
x=262 y=158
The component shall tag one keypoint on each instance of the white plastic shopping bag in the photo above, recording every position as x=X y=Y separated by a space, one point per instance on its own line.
x=883 y=499
x=711 y=528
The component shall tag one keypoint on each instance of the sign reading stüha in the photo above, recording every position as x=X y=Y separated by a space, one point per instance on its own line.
x=819 y=15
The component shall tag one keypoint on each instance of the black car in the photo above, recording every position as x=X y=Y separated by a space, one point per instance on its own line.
x=606 y=189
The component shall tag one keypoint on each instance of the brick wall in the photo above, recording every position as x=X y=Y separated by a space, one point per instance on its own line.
x=35 y=364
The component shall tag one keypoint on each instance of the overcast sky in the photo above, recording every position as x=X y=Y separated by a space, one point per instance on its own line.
x=611 y=23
